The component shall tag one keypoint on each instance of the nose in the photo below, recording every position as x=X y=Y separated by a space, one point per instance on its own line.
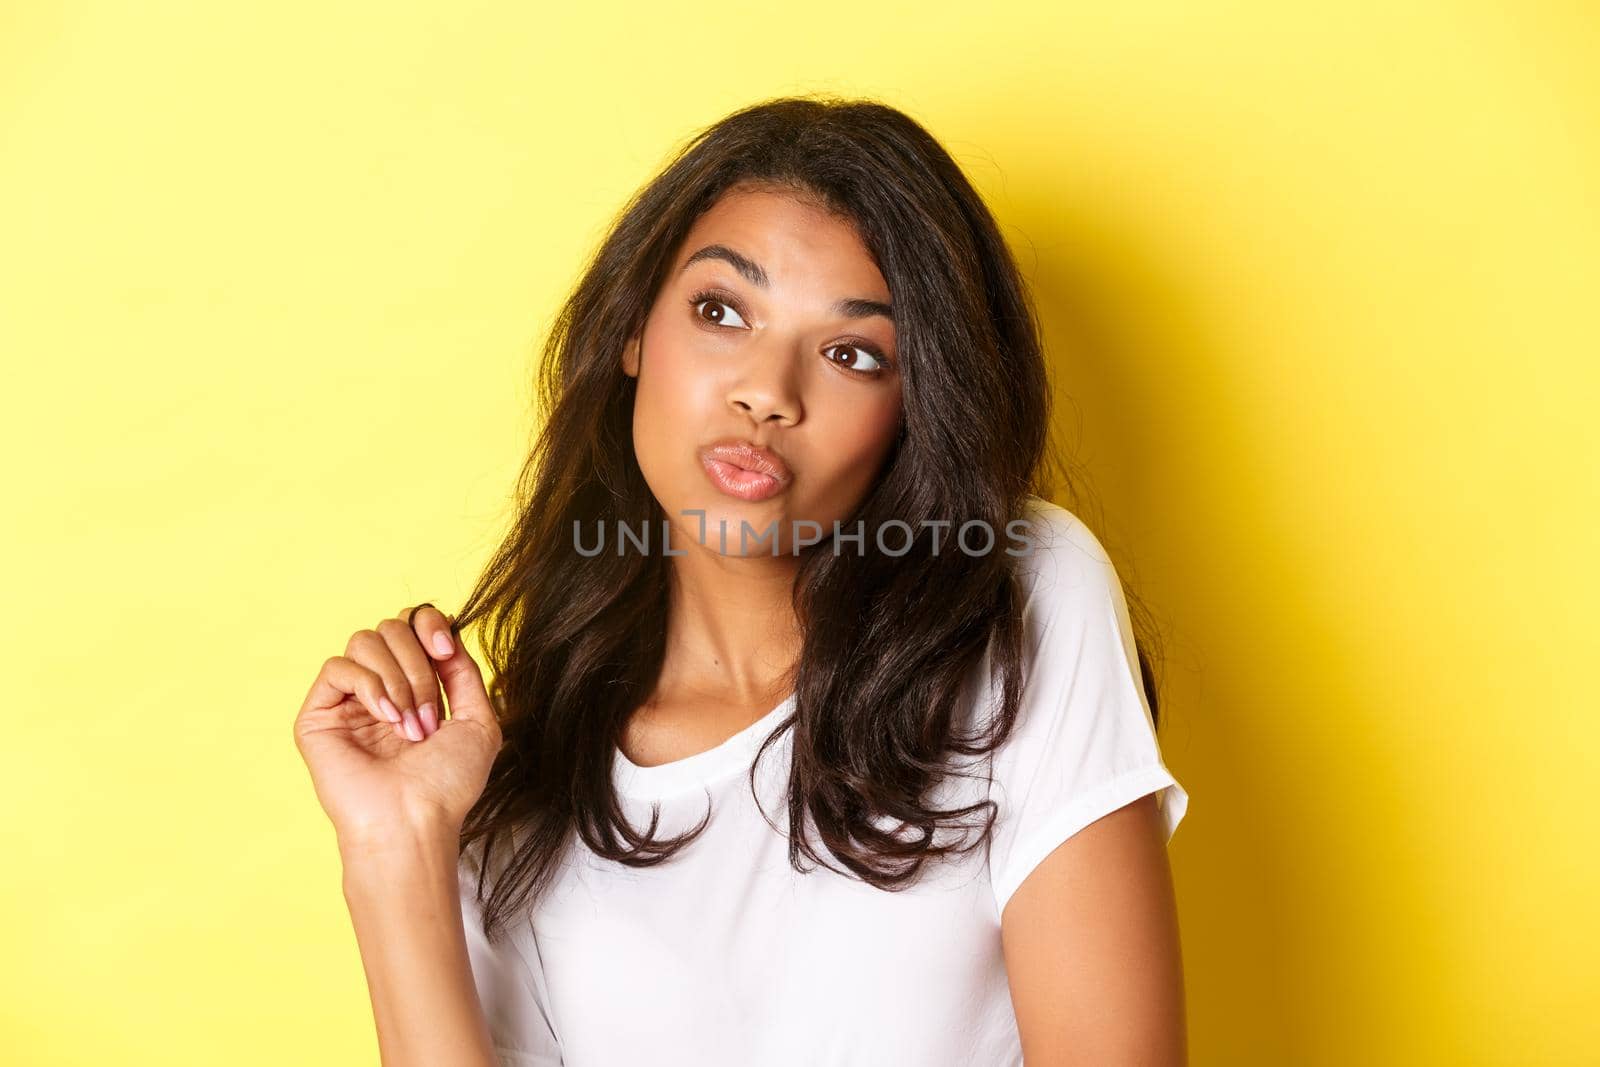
x=765 y=390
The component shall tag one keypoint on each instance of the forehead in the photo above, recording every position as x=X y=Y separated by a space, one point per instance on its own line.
x=798 y=242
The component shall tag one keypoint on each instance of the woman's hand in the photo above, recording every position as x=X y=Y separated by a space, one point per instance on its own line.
x=370 y=732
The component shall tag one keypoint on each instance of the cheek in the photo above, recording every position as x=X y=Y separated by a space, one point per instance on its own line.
x=849 y=441
x=674 y=398
x=673 y=386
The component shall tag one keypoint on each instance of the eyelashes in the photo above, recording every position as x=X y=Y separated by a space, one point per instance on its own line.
x=708 y=296
x=703 y=296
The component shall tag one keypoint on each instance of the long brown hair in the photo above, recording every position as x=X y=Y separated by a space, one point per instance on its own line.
x=575 y=643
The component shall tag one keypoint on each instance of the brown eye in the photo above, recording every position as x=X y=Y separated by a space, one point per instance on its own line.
x=717 y=312
x=864 y=361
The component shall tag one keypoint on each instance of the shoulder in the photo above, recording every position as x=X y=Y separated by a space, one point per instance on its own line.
x=1073 y=612
x=1060 y=563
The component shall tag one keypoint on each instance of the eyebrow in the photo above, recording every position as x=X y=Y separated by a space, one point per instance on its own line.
x=850 y=307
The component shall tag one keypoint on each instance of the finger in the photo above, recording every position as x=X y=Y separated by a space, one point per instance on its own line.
x=423 y=682
x=435 y=636
x=434 y=629
x=342 y=678
x=397 y=705
x=464 y=688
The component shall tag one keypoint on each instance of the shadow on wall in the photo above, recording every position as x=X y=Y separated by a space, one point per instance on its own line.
x=1275 y=889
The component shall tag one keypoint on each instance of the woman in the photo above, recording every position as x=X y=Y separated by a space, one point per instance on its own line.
x=877 y=782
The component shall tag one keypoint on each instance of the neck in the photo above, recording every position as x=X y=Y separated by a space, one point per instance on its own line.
x=732 y=634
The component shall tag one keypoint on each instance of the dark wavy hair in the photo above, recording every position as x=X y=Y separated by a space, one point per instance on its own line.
x=575 y=644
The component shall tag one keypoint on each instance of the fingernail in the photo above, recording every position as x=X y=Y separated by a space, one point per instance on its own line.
x=442 y=644
x=412 y=730
x=430 y=719
x=390 y=712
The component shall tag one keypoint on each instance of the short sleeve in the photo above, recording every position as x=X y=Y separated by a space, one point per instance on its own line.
x=1084 y=743
x=510 y=985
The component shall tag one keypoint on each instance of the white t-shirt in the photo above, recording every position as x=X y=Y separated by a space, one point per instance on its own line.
x=725 y=955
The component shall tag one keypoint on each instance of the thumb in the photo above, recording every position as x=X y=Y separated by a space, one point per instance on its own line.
x=463 y=684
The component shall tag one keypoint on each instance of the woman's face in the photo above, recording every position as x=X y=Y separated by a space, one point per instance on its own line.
x=771 y=329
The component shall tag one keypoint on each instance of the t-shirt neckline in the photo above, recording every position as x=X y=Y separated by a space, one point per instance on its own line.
x=702 y=768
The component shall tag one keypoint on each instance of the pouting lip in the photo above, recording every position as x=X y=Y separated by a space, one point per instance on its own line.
x=748 y=456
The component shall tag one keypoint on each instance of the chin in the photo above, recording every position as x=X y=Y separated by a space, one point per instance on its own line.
x=758 y=515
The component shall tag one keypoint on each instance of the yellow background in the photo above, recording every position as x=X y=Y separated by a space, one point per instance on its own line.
x=1321 y=291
